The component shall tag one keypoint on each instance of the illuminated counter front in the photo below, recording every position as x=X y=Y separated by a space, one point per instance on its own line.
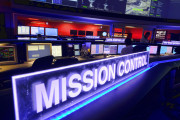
x=58 y=92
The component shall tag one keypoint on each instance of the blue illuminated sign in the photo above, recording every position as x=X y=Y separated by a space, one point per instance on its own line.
x=43 y=94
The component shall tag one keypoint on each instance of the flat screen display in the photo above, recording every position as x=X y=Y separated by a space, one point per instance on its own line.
x=110 y=49
x=37 y=30
x=97 y=49
x=7 y=54
x=166 y=49
x=76 y=47
x=89 y=33
x=76 y=53
x=51 y=31
x=57 y=50
x=150 y=8
x=120 y=47
x=138 y=7
x=153 y=49
x=23 y=30
x=35 y=51
x=81 y=32
x=73 y=32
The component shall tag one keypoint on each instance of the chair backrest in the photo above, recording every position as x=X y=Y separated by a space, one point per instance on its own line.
x=43 y=63
x=66 y=61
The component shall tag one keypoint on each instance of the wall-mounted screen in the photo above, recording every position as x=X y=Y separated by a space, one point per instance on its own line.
x=38 y=50
x=81 y=32
x=97 y=49
x=73 y=32
x=120 y=47
x=57 y=50
x=37 y=30
x=153 y=50
x=161 y=34
x=23 y=30
x=51 y=31
x=150 y=8
x=166 y=49
x=7 y=54
x=110 y=49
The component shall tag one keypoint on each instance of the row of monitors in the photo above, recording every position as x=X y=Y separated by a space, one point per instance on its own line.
x=163 y=50
x=97 y=49
x=106 y=49
x=25 y=30
x=8 y=53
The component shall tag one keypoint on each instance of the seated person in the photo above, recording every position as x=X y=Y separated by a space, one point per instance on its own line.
x=128 y=49
x=144 y=39
x=39 y=37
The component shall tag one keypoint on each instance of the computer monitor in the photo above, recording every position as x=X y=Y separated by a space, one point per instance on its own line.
x=37 y=30
x=76 y=47
x=73 y=32
x=81 y=32
x=23 y=30
x=120 y=47
x=153 y=50
x=51 y=31
x=89 y=33
x=38 y=50
x=77 y=53
x=97 y=49
x=57 y=50
x=166 y=49
x=110 y=49
x=7 y=54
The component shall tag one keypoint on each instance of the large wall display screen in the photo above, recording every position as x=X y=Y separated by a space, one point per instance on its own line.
x=152 y=8
x=35 y=51
x=72 y=3
x=138 y=7
x=56 y=93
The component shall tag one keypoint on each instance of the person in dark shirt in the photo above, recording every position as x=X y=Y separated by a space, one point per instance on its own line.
x=128 y=49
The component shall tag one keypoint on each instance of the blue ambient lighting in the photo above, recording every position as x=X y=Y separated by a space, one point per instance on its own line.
x=82 y=104
x=77 y=107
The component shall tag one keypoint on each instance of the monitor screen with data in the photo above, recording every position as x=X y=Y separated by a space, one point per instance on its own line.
x=97 y=49
x=166 y=49
x=120 y=47
x=153 y=50
x=51 y=31
x=110 y=49
x=57 y=50
x=37 y=30
x=38 y=50
x=23 y=30
x=7 y=54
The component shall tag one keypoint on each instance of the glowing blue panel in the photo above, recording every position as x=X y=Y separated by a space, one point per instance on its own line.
x=61 y=91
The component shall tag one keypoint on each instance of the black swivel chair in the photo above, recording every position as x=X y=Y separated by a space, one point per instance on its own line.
x=42 y=63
